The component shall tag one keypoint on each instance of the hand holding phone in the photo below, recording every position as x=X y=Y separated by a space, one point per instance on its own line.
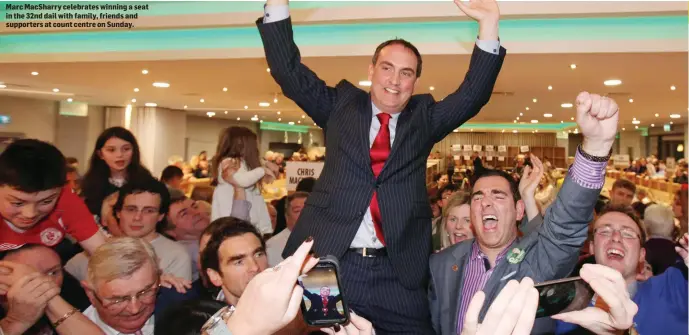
x=613 y=309
x=323 y=302
x=562 y=295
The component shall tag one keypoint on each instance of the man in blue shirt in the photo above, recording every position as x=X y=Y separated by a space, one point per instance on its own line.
x=662 y=300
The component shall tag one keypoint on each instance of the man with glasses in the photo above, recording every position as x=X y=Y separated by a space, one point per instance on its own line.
x=618 y=240
x=140 y=207
x=122 y=284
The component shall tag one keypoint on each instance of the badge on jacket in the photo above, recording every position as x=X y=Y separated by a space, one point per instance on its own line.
x=516 y=255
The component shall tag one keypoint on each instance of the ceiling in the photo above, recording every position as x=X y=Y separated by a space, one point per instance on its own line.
x=646 y=78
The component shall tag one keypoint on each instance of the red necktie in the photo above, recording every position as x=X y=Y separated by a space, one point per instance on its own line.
x=325 y=305
x=379 y=153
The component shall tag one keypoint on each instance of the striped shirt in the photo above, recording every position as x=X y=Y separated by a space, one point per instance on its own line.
x=476 y=276
x=585 y=173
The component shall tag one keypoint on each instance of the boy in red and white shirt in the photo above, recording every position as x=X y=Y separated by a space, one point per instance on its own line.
x=35 y=205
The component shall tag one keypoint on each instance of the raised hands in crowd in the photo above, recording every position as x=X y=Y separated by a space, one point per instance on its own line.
x=276 y=293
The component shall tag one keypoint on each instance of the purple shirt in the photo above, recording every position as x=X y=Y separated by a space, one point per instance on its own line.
x=476 y=276
x=585 y=173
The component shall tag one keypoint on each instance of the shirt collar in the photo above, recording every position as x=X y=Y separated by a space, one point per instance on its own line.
x=377 y=111
x=476 y=252
x=92 y=314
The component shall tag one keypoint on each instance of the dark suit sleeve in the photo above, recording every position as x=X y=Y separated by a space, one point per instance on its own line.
x=433 y=300
x=470 y=97
x=296 y=80
x=564 y=231
x=526 y=227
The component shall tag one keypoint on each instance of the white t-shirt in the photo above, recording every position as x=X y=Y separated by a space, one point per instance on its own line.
x=275 y=245
x=92 y=314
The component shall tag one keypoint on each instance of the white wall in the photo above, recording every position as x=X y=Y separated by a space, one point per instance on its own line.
x=634 y=140
x=203 y=133
x=171 y=127
x=76 y=135
x=35 y=118
x=268 y=136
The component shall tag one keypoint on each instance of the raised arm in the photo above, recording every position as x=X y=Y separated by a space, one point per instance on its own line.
x=477 y=87
x=296 y=80
x=528 y=183
x=566 y=222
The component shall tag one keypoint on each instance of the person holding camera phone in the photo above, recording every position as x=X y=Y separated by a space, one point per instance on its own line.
x=277 y=294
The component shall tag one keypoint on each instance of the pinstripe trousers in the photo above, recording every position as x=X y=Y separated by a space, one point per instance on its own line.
x=373 y=291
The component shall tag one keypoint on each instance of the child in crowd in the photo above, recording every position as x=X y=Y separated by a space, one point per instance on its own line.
x=242 y=144
x=35 y=203
x=115 y=160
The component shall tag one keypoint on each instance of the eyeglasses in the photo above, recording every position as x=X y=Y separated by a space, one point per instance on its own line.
x=133 y=210
x=116 y=305
x=626 y=233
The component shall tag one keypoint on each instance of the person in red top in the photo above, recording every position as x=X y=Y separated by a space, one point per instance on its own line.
x=36 y=206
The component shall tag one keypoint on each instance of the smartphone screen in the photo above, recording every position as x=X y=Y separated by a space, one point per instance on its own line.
x=323 y=303
x=564 y=295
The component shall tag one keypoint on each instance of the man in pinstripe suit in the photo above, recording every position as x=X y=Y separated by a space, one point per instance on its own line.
x=369 y=207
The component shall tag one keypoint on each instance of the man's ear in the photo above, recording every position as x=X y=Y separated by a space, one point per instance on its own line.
x=520 y=210
x=371 y=67
x=214 y=277
x=591 y=248
x=89 y=292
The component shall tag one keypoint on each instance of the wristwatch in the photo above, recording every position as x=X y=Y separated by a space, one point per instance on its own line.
x=217 y=324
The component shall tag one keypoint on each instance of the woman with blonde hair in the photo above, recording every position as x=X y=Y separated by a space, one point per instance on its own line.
x=455 y=225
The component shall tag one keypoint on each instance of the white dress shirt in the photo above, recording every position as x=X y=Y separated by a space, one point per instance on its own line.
x=366 y=235
x=275 y=245
x=92 y=314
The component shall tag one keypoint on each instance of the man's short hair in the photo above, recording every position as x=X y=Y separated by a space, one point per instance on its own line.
x=176 y=196
x=147 y=185
x=204 y=193
x=170 y=172
x=120 y=257
x=448 y=188
x=659 y=220
x=71 y=160
x=404 y=43
x=226 y=228
x=32 y=166
x=624 y=183
x=629 y=212
x=514 y=186
x=295 y=195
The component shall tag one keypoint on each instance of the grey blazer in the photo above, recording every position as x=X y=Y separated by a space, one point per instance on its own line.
x=551 y=250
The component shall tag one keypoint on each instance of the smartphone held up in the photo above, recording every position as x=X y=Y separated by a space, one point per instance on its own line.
x=323 y=302
x=563 y=295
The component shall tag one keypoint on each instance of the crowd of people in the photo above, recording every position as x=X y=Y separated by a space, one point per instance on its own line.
x=119 y=251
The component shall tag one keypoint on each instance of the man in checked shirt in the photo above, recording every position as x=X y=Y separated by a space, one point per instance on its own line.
x=497 y=255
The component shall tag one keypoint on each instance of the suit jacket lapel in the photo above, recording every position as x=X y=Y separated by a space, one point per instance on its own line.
x=362 y=129
x=503 y=273
x=462 y=255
